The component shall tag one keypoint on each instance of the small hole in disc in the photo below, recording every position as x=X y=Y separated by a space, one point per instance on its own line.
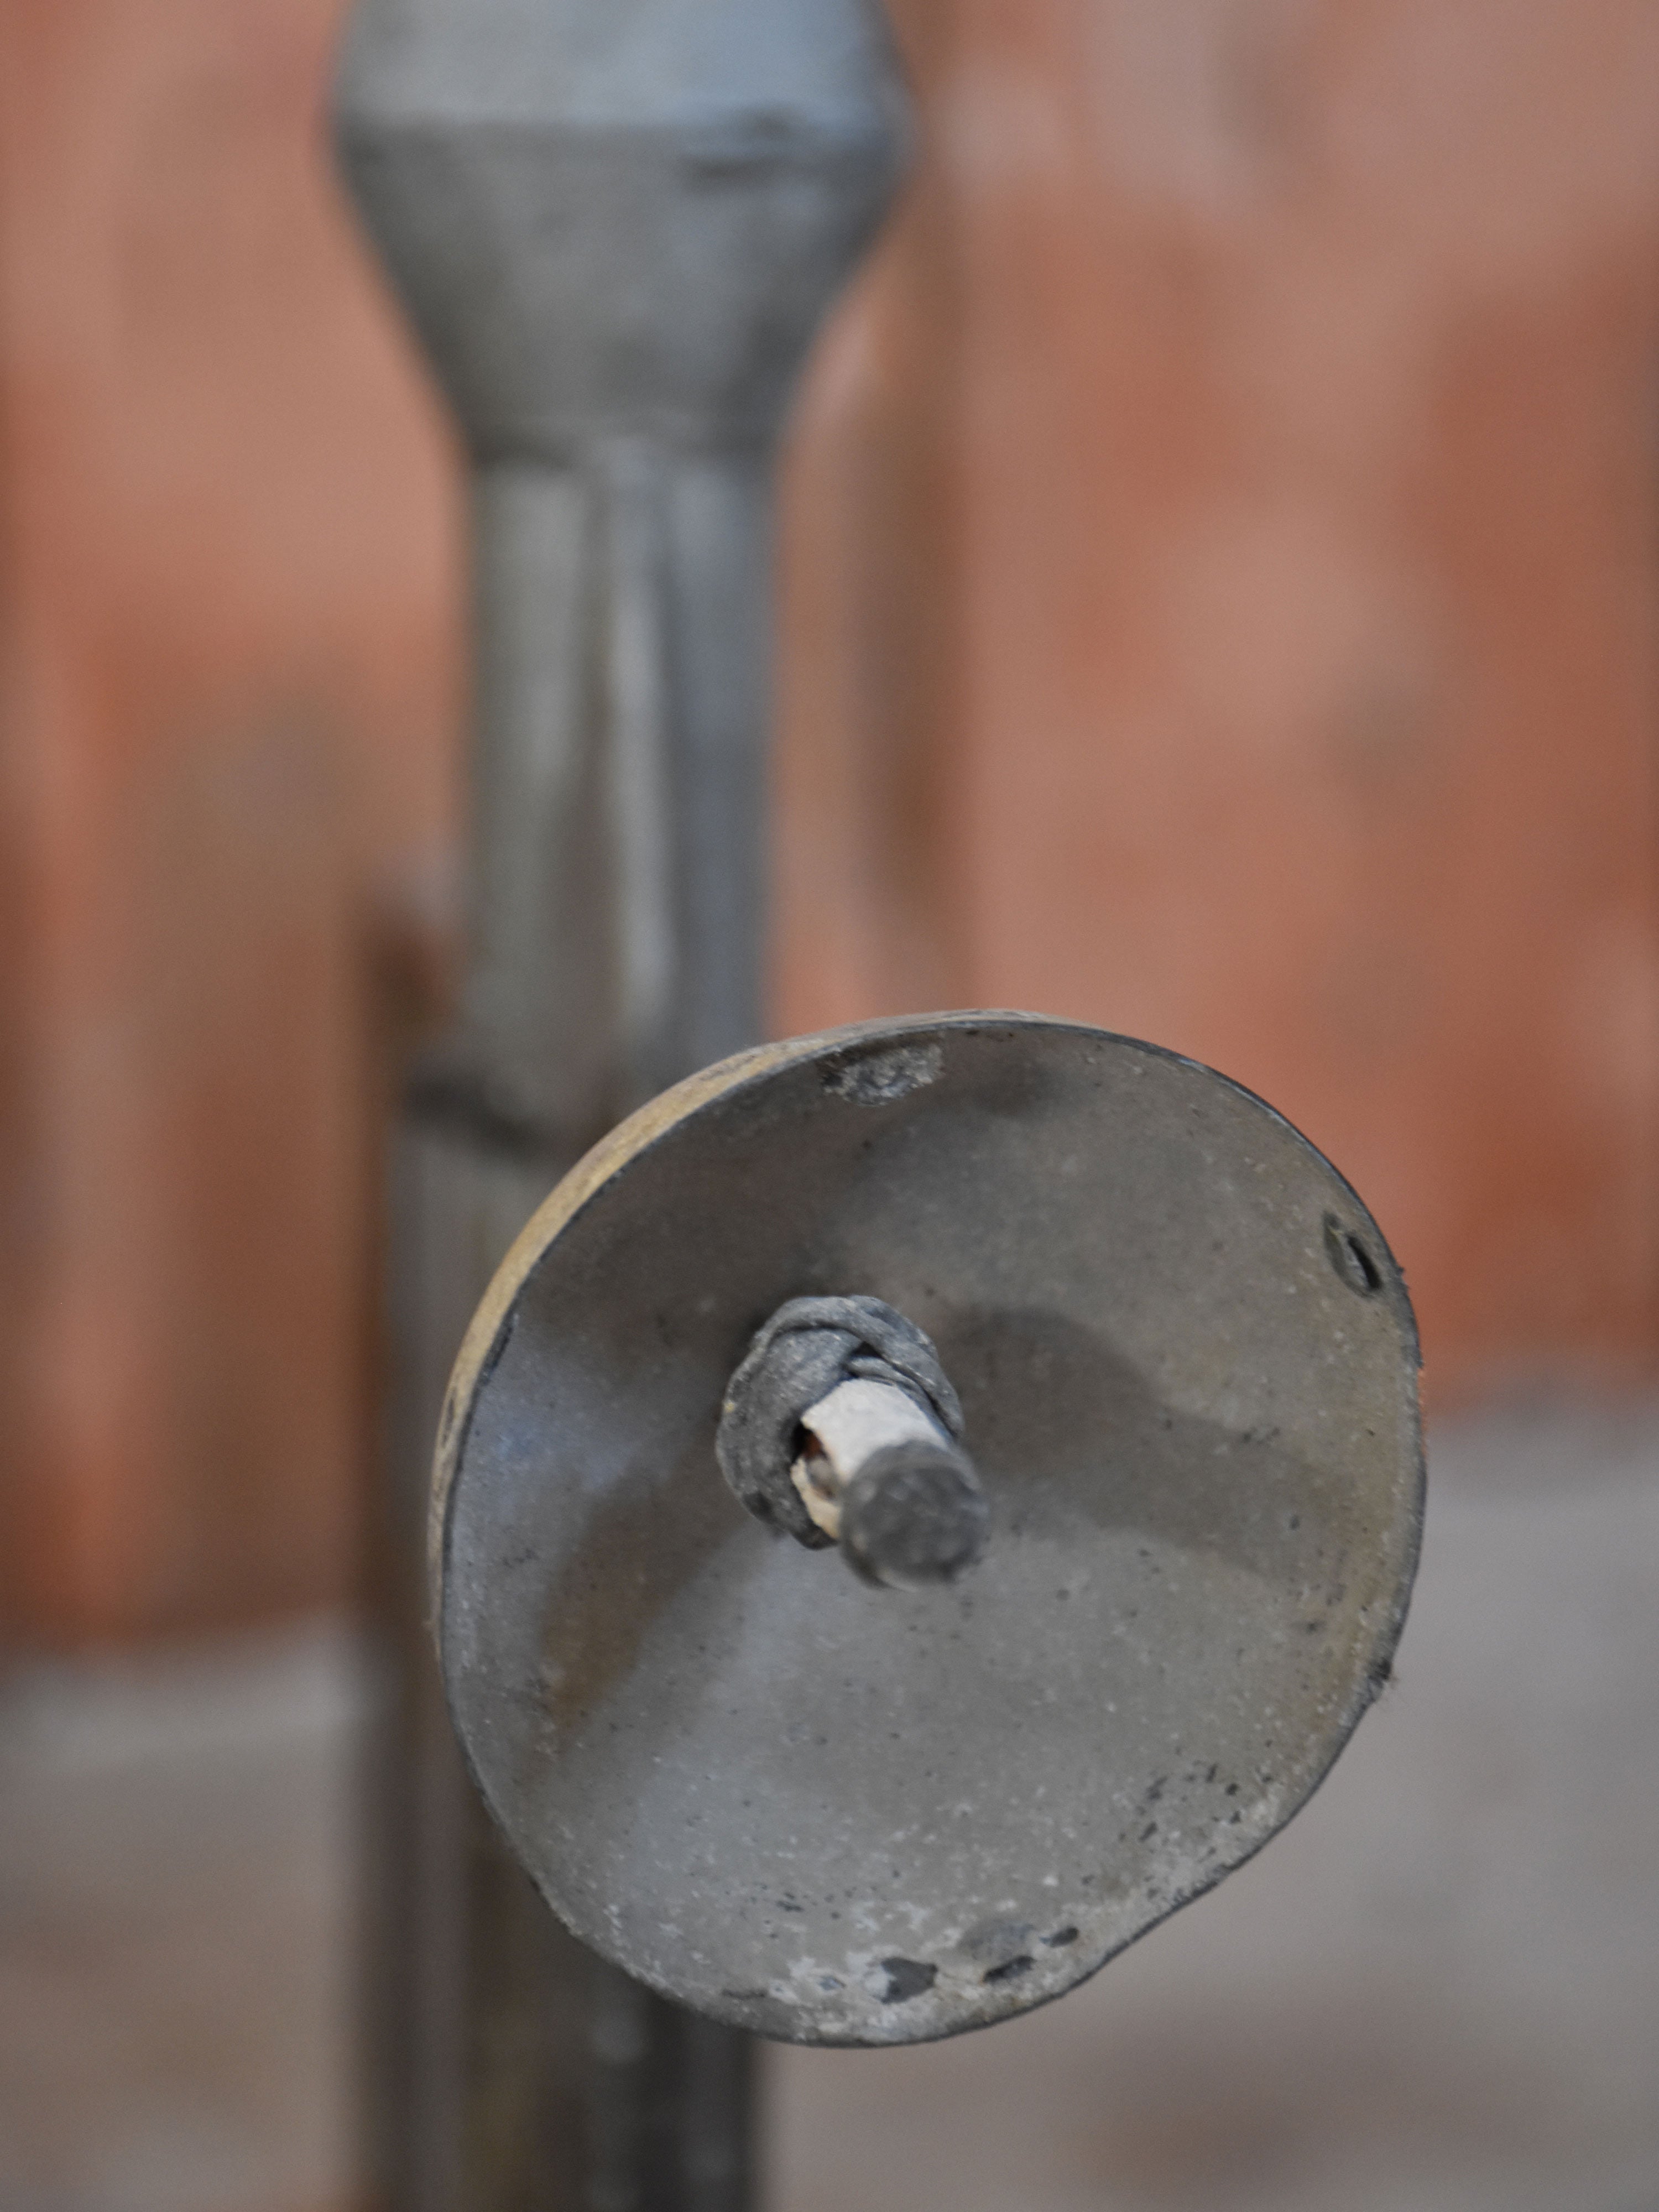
x=1351 y=1260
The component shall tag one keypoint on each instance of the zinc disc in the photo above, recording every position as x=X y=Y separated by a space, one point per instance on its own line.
x=831 y=1813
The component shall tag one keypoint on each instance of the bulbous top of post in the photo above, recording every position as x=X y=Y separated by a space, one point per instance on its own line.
x=618 y=215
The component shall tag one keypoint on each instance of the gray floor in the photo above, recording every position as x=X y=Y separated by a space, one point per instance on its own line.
x=1438 y=1992
x=175 y=1893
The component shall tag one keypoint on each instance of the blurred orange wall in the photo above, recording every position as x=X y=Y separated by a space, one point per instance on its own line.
x=228 y=700
x=1224 y=582
x=1220 y=580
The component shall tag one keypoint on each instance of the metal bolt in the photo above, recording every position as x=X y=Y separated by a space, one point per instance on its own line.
x=882 y=1479
x=841 y=1426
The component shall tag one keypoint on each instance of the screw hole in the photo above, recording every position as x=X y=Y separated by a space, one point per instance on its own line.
x=1351 y=1260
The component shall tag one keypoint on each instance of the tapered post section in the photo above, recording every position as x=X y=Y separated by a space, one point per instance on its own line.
x=615 y=225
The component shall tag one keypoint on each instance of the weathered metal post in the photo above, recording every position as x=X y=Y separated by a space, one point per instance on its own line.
x=615 y=225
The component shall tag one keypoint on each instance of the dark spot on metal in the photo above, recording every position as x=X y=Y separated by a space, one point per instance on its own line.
x=906 y=1978
x=1059 y=1939
x=1009 y=1971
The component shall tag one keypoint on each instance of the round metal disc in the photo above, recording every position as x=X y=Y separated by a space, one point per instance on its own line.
x=836 y=1813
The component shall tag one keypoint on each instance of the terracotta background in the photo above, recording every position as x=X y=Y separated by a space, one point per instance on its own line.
x=1220 y=561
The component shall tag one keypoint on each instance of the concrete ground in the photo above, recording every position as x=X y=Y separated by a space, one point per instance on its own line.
x=1438 y=1992
x=176 y=1981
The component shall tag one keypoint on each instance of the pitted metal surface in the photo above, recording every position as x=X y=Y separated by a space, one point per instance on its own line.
x=836 y=1814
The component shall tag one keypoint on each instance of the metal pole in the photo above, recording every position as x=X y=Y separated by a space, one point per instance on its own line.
x=615 y=225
